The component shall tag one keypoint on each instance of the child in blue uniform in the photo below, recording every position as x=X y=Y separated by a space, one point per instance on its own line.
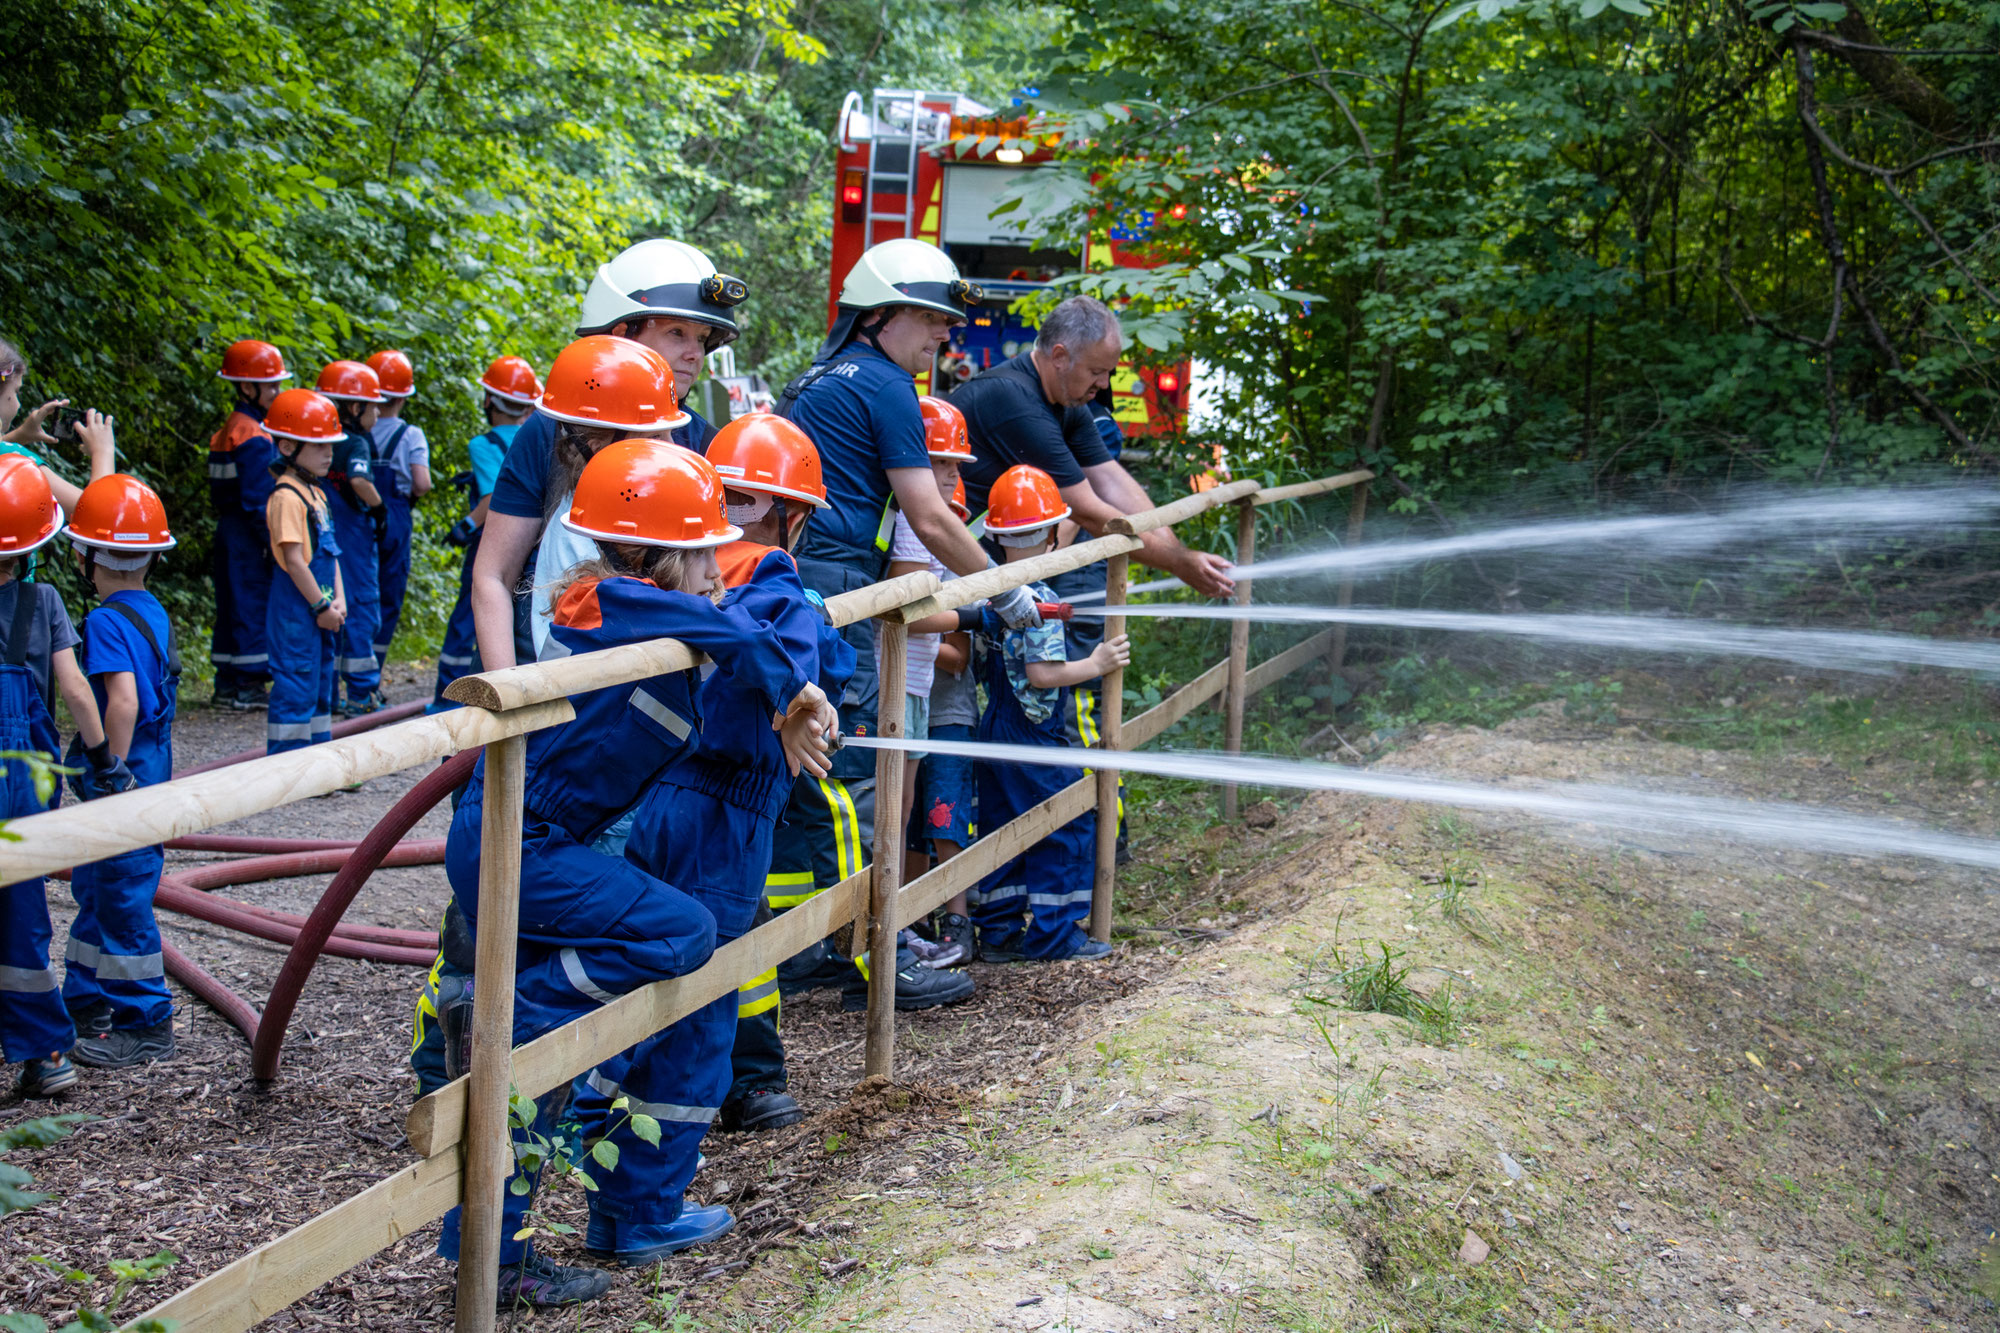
x=731 y=790
x=1028 y=678
x=512 y=390
x=594 y=926
x=360 y=525
x=115 y=983
x=240 y=456
x=307 y=605
x=403 y=476
x=37 y=659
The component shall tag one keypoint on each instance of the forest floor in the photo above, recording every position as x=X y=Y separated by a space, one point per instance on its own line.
x=1624 y=1082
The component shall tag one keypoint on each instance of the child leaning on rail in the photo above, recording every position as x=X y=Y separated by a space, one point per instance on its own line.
x=724 y=1060
x=594 y=926
x=1028 y=678
x=37 y=659
x=115 y=981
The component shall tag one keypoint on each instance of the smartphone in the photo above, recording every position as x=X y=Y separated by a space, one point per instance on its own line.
x=64 y=422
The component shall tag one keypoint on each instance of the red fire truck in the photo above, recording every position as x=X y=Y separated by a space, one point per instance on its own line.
x=904 y=172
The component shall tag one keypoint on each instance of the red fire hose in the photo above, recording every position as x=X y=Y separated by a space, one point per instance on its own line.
x=212 y=992
x=268 y=1041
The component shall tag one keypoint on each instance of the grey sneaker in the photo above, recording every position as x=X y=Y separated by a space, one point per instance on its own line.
x=124 y=1047
x=542 y=1282
x=46 y=1077
x=955 y=946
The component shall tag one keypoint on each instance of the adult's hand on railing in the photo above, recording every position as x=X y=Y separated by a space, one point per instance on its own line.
x=1207 y=573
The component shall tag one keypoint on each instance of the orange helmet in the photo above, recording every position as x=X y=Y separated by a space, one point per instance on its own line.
x=305 y=416
x=351 y=381
x=650 y=493
x=29 y=514
x=958 y=504
x=763 y=452
x=512 y=380
x=393 y=369
x=612 y=382
x=944 y=429
x=120 y=513
x=1025 y=498
x=253 y=362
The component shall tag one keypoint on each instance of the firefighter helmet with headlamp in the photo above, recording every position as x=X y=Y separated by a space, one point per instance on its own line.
x=907 y=271
x=663 y=279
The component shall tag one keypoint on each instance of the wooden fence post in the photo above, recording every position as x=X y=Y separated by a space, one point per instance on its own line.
x=489 y=1151
x=1110 y=723
x=1239 y=646
x=891 y=706
x=1357 y=510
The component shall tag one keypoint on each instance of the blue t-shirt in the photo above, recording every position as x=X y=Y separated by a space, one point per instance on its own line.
x=862 y=415
x=488 y=451
x=518 y=490
x=353 y=460
x=111 y=644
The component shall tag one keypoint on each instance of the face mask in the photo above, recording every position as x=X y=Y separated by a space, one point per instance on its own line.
x=1020 y=541
x=745 y=514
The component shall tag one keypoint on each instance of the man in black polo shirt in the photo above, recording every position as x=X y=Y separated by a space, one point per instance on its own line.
x=1035 y=409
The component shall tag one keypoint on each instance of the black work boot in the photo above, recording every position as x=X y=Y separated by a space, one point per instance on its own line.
x=759 y=1109
x=542 y=1282
x=123 y=1047
x=917 y=986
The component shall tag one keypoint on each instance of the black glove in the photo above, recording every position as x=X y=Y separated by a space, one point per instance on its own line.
x=102 y=773
x=115 y=777
x=379 y=517
x=462 y=532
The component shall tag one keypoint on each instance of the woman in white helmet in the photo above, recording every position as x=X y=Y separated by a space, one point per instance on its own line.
x=859 y=404
x=663 y=293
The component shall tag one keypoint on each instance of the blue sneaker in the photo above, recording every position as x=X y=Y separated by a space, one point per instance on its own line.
x=636 y=1244
x=1090 y=949
x=47 y=1076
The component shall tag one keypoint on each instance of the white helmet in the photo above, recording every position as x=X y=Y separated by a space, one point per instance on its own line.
x=662 y=279
x=905 y=271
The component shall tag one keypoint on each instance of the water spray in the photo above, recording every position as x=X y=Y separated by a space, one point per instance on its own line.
x=1806 y=828
x=1834 y=650
x=1848 y=513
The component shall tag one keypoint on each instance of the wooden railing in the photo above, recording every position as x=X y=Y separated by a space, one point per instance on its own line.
x=460 y=1131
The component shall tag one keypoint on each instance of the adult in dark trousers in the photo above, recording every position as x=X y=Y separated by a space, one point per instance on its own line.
x=1036 y=409
x=859 y=405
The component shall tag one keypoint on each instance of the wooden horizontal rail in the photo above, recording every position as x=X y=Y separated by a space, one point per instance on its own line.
x=559 y=678
x=287 y=1268
x=113 y=825
x=438 y=1121
x=989 y=583
x=1299 y=490
x=283 y=1270
x=1186 y=507
x=1266 y=674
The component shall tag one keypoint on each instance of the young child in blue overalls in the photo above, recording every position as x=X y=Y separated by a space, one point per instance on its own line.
x=115 y=983
x=37 y=659
x=360 y=524
x=512 y=390
x=1028 y=678
x=595 y=926
x=307 y=605
x=732 y=791
x=403 y=476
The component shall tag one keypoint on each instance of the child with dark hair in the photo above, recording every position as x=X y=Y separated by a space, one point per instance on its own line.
x=360 y=525
x=307 y=605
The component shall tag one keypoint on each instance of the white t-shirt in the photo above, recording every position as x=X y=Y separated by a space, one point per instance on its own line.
x=920 y=669
x=561 y=551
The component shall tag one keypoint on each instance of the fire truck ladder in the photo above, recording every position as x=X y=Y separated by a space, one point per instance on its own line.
x=895 y=172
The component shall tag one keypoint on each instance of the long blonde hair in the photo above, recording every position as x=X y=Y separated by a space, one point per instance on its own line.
x=665 y=566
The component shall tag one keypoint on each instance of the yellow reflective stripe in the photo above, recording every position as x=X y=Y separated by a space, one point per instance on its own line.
x=427 y=1003
x=861 y=965
x=846 y=836
x=785 y=902
x=798 y=882
x=1086 y=720
x=757 y=996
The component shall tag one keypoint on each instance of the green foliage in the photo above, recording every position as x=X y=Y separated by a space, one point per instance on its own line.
x=37 y=1133
x=1566 y=239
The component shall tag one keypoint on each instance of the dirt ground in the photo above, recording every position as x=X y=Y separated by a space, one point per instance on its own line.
x=1653 y=1085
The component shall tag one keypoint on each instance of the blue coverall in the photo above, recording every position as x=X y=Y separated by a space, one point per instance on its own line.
x=360 y=565
x=1052 y=879
x=594 y=927
x=301 y=708
x=393 y=551
x=34 y=1024
x=706 y=827
x=114 y=952
x=239 y=484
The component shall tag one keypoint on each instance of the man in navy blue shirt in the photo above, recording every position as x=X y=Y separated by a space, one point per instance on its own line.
x=859 y=404
x=665 y=294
